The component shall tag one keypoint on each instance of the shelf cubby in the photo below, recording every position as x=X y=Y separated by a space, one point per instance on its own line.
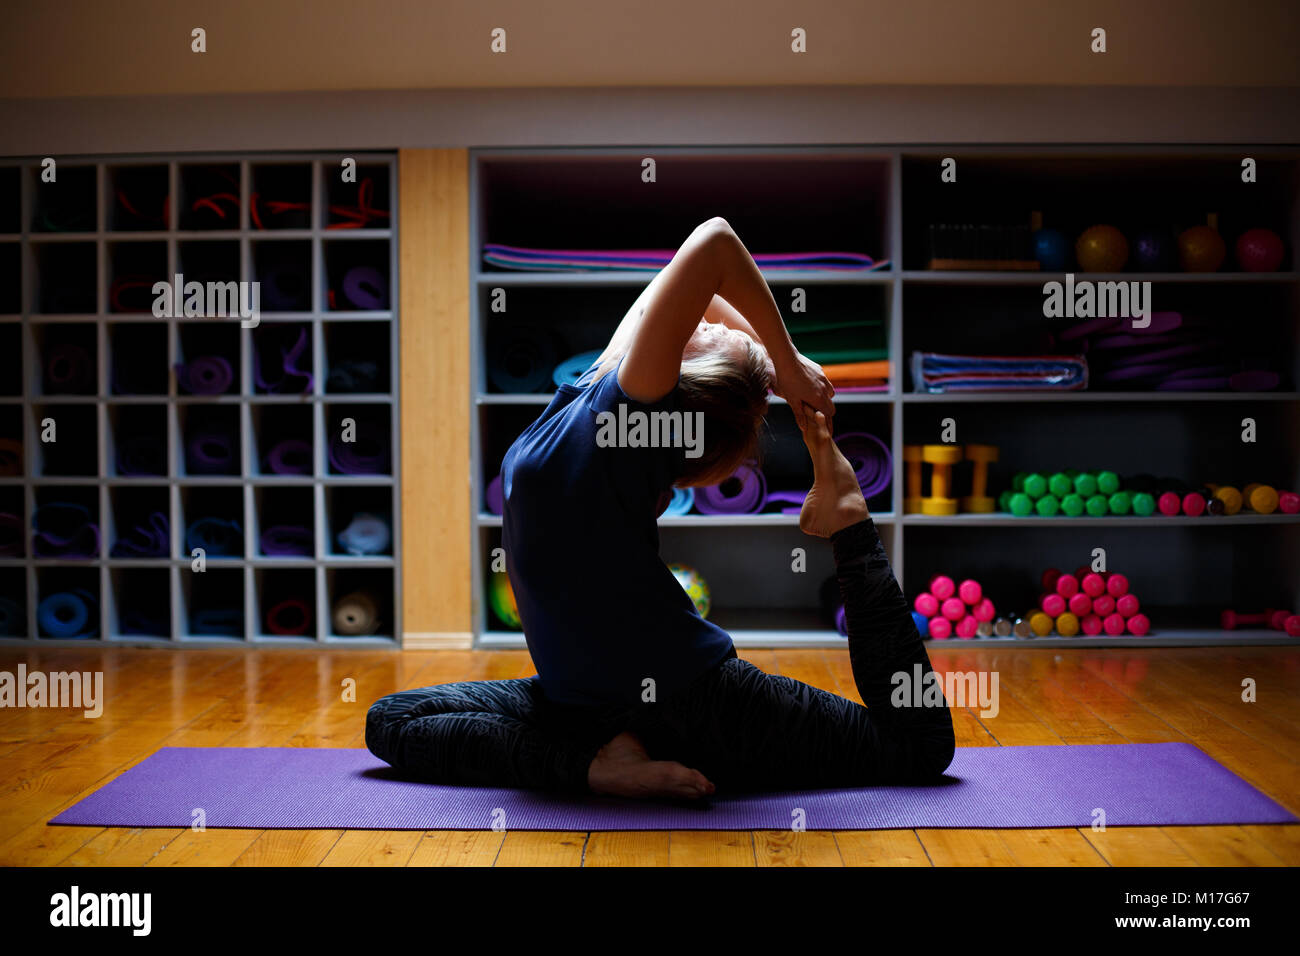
x=139 y=604
x=11 y=278
x=67 y=203
x=138 y=441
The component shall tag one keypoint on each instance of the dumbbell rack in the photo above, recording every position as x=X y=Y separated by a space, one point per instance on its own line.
x=596 y=198
x=253 y=496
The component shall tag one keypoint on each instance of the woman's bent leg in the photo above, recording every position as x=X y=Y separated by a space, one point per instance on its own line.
x=479 y=733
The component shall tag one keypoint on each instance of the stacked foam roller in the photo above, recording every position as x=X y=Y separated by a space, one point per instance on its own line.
x=948 y=608
x=1085 y=602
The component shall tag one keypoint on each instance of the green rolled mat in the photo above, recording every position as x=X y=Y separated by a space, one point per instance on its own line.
x=1060 y=484
x=1047 y=506
x=1144 y=504
x=355 y=614
x=1097 y=506
x=839 y=356
x=1121 y=503
x=813 y=337
x=1021 y=504
x=1072 y=505
x=1085 y=485
x=1107 y=482
x=1035 y=485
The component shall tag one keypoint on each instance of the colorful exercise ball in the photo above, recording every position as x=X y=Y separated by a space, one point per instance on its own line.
x=696 y=588
x=1154 y=251
x=1051 y=249
x=1259 y=250
x=1201 y=249
x=1101 y=249
x=501 y=598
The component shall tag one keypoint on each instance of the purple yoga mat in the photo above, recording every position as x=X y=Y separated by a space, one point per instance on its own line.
x=743 y=493
x=995 y=787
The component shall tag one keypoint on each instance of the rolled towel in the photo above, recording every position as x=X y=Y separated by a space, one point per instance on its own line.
x=68 y=614
x=366 y=534
x=217 y=537
x=356 y=614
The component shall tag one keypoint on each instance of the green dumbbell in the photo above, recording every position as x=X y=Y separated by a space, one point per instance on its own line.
x=1107 y=482
x=1085 y=485
x=1004 y=500
x=1035 y=485
x=1144 y=504
x=1097 y=506
x=1047 y=506
x=1072 y=505
x=1121 y=502
x=1021 y=505
x=1060 y=484
x=1018 y=480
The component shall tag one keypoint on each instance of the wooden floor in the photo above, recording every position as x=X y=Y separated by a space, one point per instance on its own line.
x=49 y=759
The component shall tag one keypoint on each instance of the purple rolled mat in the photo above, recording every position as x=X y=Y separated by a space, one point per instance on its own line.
x=205 y=375
x=284 y=540
x=366 y=288
x=1131 y=340
x=288 y=378
x=841 y=621
x=69 y=368
x=1091 y=326
x=368 y=455
x=285 y=287
x=495 y=496
x=1199 y=371
x=1133 y=372
x=1182 y=351
x=743 y=493
x=870 y=458
x=211 y=453
x=152 y=540
x=795 y=498
x=11 y=535
x=289 y=457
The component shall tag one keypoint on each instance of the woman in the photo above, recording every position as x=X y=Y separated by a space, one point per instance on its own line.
x=636 y=694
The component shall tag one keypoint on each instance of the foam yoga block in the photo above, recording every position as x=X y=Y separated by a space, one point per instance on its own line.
x=285 y=540
x=68 y=614
x=365 y=534
x=64 y=530
x=521 y=360
x=141 y=455
x=151 y=539
x=205 y=375
x=285 y=373
x=217 y=537
x=13 y=621
x=289 y=457
x=367 y=455
x=355 y=614
x=289 y=618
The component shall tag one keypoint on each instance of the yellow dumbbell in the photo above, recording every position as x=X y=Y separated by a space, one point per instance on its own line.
x=978 y=499
x=941 y=458
x=912 y=461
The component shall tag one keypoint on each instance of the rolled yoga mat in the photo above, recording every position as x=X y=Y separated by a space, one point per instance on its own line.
x=521 y=360
x=11 y=457
x=366 y=534
x=352 y=376
x=141 y=455
x=288 y=618
x=211 y=452
x=217 y=537
x=62 y=529
x=285 y=287
x=13 y=620
x=495 y=496
x=368 y=455
x=1163 y=784
x=365 y=287
x=205 y=375
x=284 y=376
x=570 y=370
x=150 y=540
x=69 y=369
x=355 y=614
x=681 y=501
x=68 y=614
x=745 y=492
x=289 y=457
x=218 y=621
x=870 y=458
x=11 y=535
x=286 y=540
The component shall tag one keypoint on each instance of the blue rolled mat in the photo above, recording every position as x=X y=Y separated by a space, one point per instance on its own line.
x=225 y=621
x=681 y=503
x=285 y=287
x=151 y=540
x=13 y=622
x=216 y=536
x=68 y=614
x=521 y=360
x=366 y=534
x=63 y=529
x=570 y=370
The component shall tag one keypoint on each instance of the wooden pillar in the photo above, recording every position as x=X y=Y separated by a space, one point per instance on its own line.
x=433 y=238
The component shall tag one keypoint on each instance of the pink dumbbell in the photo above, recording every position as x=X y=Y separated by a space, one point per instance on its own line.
x=1080 y=604
x=1067 y=585
x=1103 y=605
x=941 y=586
x=1169 y=504
x=1116 y=585
x=970 y=592
x=1093 y=584
x=1193 y=504
x=984 y=611
x=953 y=609
x=940 y=628
x=1138 y=625
x=926 y=604
x=1293 y=625
x=1053 y=605
x=1091 y=624
x=1050 y=577
x=1113 y=624
x=1231 y=620
x=1277 y=620
x=1288 y=502
x=967 y=627
x=1127 y=605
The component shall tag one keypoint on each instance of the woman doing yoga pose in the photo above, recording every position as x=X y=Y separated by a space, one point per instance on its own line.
x=637 y=695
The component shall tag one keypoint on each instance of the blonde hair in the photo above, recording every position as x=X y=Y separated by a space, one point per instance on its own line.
x=733 y=399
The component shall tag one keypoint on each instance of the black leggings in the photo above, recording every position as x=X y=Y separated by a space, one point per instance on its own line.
x=742 y=728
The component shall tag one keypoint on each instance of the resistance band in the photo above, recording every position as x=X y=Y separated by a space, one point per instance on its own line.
x=152 y=540
x=159 y=220
x=288 y=618
x=356 y=614
x=289 y=457
x=205 y=375
x=68 y=614
x=285 y=540
x=217 y=537
x=13 y=621
x=367 y=455
x=363 y=213
x=62 y=529
x=365 y=534
x=288 y=371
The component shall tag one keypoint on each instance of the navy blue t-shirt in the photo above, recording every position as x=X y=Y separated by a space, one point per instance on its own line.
x=601 y=612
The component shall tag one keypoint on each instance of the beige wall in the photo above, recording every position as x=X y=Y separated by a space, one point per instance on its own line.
x=55 y=48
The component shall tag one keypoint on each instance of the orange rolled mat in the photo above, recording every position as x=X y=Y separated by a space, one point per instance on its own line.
x=858 y=373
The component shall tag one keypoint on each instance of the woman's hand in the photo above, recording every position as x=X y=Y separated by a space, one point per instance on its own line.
x=802 y=383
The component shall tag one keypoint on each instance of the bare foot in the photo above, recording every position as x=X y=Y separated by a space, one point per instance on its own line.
x=623 y=768
x=835 y=500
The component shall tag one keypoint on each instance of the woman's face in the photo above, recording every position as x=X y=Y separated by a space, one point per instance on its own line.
x=714 y=337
